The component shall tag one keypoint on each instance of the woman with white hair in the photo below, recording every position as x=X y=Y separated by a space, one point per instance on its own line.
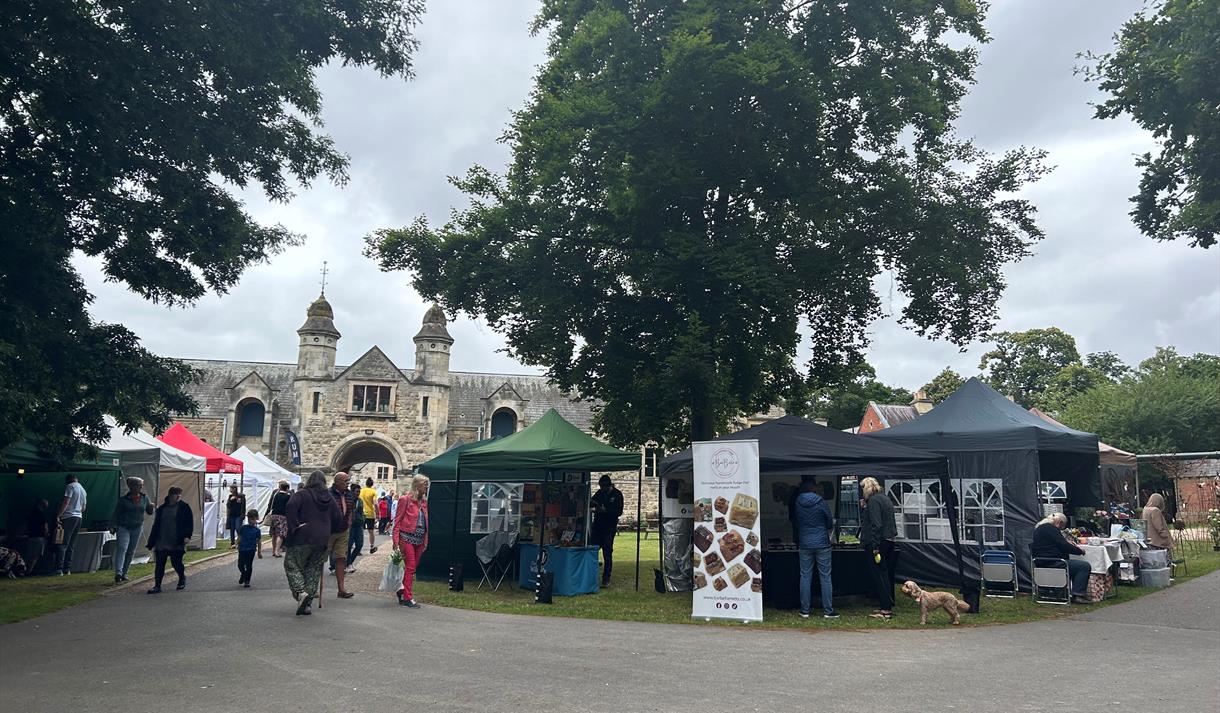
x=410 y=535
x=1049 y=543
x=128 y=523
x=877 y=533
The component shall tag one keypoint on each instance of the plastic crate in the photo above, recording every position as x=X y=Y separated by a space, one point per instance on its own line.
x=1154 y=558
x=1154 y=577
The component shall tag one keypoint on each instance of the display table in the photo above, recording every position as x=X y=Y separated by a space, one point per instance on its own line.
x=575 y=568
x=87 y=552
x=1101 y=557
x=849 y=573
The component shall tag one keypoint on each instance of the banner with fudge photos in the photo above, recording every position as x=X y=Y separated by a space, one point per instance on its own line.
x=726 y=558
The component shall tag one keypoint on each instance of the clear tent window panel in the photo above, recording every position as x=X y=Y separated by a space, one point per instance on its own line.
x=982 y=511
x=495 y=507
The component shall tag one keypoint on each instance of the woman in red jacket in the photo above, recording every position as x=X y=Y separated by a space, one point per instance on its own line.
x=411 y=535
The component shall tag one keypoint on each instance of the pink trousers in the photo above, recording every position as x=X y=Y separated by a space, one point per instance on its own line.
x=410 y=560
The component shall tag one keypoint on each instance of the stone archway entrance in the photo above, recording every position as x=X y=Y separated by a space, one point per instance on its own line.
x=372 y=457
x=364 y=452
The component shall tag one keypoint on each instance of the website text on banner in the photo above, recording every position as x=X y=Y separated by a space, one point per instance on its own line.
x=726 y=558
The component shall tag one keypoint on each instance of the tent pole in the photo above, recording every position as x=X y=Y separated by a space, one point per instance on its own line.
x=541 y=532
x=639 y=509
x=457 y=488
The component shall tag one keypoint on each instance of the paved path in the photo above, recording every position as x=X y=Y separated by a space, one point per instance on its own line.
x=219 y=648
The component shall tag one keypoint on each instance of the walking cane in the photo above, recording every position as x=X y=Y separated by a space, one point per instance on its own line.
x=321 y=579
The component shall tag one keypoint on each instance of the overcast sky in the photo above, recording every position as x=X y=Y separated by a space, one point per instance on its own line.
x=1094 y=275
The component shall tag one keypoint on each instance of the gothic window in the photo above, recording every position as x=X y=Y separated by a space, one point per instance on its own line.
x=371 y=399
x=250 y=419
x=503 y=423
x=495 y=507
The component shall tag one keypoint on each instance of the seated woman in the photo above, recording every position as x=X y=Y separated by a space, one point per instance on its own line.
x=1049 y=542
x=1154 y=520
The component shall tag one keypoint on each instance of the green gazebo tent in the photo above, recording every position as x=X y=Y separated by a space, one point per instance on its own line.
x=27 y=474
x=541 y=452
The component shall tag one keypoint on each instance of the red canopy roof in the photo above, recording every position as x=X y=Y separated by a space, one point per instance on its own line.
x=180 y=436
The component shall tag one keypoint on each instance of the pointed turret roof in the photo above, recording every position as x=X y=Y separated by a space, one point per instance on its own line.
x=319 y=319
x=434 y=326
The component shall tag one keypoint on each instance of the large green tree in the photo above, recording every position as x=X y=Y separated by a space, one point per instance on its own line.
x=1023 y=364
x=1170 y=403
x=1165 y=74
x=691 y=181
x=123 y=127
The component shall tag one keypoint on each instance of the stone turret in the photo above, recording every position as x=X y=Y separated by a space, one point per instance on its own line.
x=432 y=348
x=318 y=343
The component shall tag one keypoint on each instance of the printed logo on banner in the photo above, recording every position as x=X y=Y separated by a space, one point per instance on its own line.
x=725 y=463
x=726 y=558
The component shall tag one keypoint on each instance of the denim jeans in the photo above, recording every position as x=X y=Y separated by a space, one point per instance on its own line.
x=71 y=526
x=1079 y=571
x=126 y=540
x=822 y=555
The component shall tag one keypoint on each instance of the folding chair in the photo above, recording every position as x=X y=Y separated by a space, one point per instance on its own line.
x=1051 y=577
x=999 y=573
x=495 y=555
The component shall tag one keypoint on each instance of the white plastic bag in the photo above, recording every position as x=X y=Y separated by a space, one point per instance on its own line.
x=391 y=578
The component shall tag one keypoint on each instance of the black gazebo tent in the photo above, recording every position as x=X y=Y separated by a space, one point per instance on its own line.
x=794 y=446
x=988 y=438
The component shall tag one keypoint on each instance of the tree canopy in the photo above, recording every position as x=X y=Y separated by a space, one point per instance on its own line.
x=1164 y=73
x=1023 y=364
x=942 y=385
x=692 y=181
x=843 y=404
x=1169 y=404
x=122 y=128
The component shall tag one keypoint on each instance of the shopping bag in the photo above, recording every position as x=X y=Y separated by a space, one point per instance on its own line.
x=391 y=578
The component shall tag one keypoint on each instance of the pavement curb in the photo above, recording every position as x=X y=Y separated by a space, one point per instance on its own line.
x=148 y=577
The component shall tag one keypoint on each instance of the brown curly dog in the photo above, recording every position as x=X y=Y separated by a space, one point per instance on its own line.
x=934 y=600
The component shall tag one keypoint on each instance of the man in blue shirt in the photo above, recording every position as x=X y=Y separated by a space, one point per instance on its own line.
x=813 y=525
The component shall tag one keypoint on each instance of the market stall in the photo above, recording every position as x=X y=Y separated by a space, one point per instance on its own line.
x=790 y=449
x=999 y=454
x=27 y=474
x=535 y=482
x=216 y=464
x=159 y=464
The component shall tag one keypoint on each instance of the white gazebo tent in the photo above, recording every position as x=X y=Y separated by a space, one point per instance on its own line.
x=161 y=466
x=261 y=477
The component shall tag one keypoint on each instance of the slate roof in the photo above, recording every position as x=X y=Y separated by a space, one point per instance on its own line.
x=468 y=389
x=893 y=414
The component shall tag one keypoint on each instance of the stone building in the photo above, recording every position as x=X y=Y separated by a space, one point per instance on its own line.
x=370 y=416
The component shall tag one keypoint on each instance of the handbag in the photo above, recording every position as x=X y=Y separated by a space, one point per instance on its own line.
x=416 y=536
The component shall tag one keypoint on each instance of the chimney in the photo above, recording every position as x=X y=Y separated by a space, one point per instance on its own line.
x=921 y=402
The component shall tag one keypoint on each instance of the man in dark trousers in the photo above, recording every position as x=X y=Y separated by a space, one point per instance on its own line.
x=607 y=509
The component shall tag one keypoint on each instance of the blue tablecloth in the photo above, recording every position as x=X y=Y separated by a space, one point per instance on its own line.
x=575 y=568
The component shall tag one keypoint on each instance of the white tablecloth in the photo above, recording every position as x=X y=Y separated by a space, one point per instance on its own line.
x=1100 y=557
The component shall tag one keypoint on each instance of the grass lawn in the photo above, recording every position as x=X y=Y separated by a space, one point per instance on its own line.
x=622 y=602
x=22 y=599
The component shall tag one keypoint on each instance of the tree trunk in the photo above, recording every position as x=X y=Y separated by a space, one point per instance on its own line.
x=702 y=421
